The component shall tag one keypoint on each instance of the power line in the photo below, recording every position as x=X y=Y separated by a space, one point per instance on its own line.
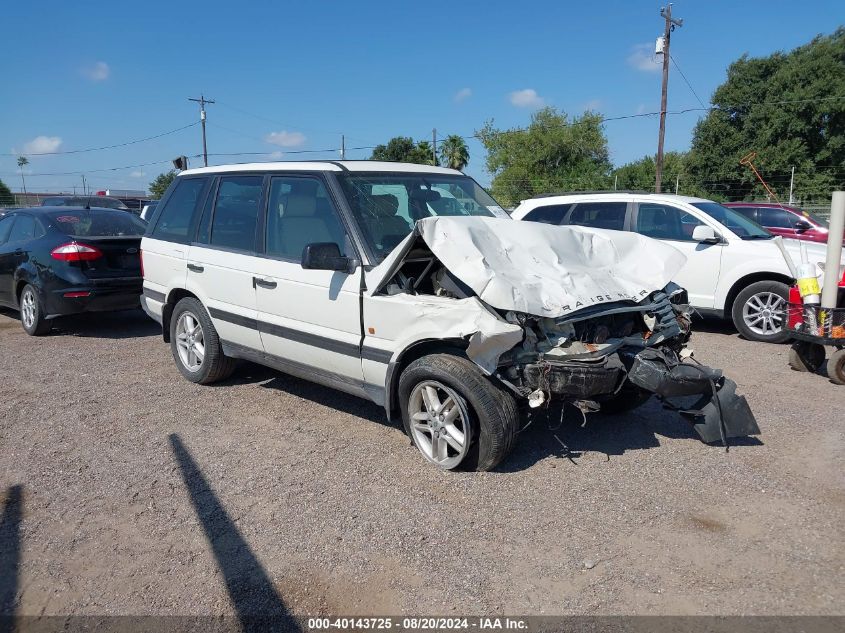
x=97 y=149
x=686 y=81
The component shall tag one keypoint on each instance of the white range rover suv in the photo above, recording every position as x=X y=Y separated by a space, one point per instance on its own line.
x=735 y=268
x=410 y=286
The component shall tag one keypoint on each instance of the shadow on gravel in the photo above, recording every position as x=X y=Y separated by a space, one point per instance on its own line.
x=713 y=325
x=10 y=554
x=259 y=605
x=607 y=434
x=113 y=325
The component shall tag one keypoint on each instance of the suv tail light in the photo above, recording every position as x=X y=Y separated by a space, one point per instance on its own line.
x=76 y=252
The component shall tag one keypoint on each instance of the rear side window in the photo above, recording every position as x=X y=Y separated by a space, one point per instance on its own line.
x=97 y=222
x=236 y=212
x=176 y=218
x=748 y=212
x=775 y=218
x=6 y=228
x=549 y=214
x=600 y=215
x=24 y=229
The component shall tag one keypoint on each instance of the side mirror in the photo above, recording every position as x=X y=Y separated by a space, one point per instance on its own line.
x=324 y=256
x=802 y=225
x=705 y=235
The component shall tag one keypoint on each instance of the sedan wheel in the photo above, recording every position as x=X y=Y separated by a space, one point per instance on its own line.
x=190 y=341
x=439 y=423
x=28 y=308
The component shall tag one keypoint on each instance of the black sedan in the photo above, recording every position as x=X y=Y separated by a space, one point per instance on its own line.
x=57 y=261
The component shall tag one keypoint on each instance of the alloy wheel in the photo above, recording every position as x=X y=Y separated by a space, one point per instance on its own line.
x=439 y=423
x=763 y=313
x=190 y=341
x=28 y=308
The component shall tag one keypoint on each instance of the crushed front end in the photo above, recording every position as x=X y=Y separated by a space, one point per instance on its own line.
x=614 y=355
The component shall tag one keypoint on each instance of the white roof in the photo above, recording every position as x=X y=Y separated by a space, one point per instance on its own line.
x=621 y=196
x=350 y=165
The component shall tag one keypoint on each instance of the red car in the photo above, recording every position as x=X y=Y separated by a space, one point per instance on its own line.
x=783 y=220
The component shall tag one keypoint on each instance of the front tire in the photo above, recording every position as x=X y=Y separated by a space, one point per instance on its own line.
x=32 y=313
x=195 y=345
x=759 y=312
x=455 y=415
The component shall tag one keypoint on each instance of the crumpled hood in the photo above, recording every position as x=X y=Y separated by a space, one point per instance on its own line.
x=539 y=269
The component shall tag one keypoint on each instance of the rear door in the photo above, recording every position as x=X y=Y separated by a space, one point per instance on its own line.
x=222 y=261
x=7 y=264
x=674 y=225
x=610 y=214
x=310 y=318
x=165 y=246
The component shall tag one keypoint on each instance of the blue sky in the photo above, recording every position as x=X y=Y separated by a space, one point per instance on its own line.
x=290 y=77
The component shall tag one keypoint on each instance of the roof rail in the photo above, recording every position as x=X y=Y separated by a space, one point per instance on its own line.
x=585 y=191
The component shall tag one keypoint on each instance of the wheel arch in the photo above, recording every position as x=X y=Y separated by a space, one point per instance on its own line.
x=743 y=282
x=173 y=297
x=407 y=356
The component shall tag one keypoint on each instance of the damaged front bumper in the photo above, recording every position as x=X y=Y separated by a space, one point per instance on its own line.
x=619 y=364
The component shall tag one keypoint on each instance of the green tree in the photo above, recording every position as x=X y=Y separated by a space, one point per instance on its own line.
x=454 y=152
x=403 y=150
x=161 y=183
x=23 y=161
x=788 y=108
x=7 y=198
x=639 y=174
x=551 y=154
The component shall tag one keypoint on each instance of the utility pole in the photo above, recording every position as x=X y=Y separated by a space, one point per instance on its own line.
x=84 y=186
x=434 y=146
x=202 y=101
x=791 y=185
x=671 y=23
x=677 y=183
x=342 y=147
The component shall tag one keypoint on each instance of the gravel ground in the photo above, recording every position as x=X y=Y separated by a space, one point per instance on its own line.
x=144 y=494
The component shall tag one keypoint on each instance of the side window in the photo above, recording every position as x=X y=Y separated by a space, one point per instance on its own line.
x=236 y=212
x=775 y=218
x=6 y=228
x=748 y=212
x=24 y=229
x=177 y=216
x=600 y=215
x=299 y=213
x=549 y=214
x=664 y=222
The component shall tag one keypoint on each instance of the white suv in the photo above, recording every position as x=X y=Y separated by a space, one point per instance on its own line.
x=735 y=268
x=409 y=285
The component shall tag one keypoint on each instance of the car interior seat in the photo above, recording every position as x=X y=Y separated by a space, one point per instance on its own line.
x=384 y=225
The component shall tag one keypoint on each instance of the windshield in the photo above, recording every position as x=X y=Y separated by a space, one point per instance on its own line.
x=736 y=222
x=85 y=201
x=386 y=206
x=97 y=223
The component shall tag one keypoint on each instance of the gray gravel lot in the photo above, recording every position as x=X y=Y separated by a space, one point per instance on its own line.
x=144 y=494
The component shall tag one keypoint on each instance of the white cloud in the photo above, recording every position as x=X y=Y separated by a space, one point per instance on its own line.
x=462 y=95
x=285 y=139
x=139 y=173
x=642 y=57
x=527 y=98
x=276 y=155
x=641 y=109
x=97 y=72
x=42 y=145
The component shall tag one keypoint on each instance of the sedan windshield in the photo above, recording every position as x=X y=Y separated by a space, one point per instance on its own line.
x=736 y=222
x=97 y=223
x=386 y=206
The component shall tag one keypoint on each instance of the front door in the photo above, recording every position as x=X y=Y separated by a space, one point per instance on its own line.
x=674 y=226
x=308 y=318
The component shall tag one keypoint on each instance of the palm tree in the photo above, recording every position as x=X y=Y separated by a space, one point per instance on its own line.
x=454 y=152
x=23 y=161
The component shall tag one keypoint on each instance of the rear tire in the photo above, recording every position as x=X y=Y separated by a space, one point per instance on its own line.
x=836 y=367
x=195 y=345
x=32 y=313
x=489 y=413
x=759 y=312
x=806 y=356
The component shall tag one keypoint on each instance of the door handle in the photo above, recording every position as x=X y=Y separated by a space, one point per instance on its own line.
x=196 y=268
x=264 y=283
